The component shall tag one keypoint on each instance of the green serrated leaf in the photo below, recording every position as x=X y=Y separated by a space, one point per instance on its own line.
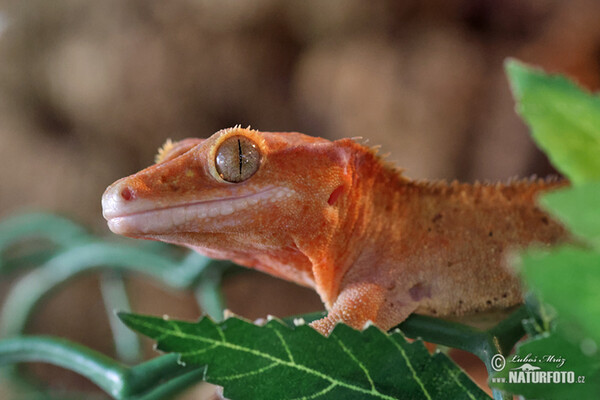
x=564 y=120
x=578 y=209
x=247 y=359
x=551 y=352
x=568 y=279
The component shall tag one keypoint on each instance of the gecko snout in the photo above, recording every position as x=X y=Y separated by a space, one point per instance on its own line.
x=118 y=199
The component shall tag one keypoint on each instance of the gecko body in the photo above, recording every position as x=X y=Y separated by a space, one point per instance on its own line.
x=333 y=216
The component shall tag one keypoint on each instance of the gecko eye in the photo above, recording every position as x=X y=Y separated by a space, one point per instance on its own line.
x=237 y=159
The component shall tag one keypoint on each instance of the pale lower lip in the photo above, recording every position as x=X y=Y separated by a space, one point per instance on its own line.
x=188 y=217
x=109 y=212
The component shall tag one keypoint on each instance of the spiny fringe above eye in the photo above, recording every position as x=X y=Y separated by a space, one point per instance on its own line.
x=234 y=128
x=163 y=151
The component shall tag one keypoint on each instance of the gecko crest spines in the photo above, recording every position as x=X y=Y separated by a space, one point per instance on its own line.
x=375 y=159
x=163 y=151
x=444 y=187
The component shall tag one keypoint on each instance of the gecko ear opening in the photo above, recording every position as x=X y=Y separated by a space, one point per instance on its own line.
x=237 y=159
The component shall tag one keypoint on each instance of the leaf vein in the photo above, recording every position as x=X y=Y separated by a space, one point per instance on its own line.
x=356 y=360
x=220 y=332
x=315 y=395
x=249 y=373
x=175 y=326
x=454 y=375
x=285 y=346
x=197 y=352
x=411 y=368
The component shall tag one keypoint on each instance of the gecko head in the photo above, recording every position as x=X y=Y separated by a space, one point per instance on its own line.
x=239 y=188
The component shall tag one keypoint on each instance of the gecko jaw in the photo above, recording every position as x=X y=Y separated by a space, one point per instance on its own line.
x=185 y=217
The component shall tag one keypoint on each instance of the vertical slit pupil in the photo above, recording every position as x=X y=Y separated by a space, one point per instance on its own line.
x=240 y=155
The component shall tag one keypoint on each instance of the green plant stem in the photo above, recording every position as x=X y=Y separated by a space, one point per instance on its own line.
x=107 y=373
x=58 y=231
x=442 y=332
x=79 y=255
x=208 y=293
x=69 y=264
x=156 y=372
x=114 y=295
x=499 y=339
x=152 y=379
x=176 y=385
x=509 y=331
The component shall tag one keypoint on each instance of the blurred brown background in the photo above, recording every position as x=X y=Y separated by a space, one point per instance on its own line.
x=89 y=90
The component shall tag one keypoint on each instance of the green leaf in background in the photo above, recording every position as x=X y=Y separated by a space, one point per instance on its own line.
x=578 y=208
x=247 y=360
x=564 y=120
x=541 y=347
x=568 y=279
x=565 y=123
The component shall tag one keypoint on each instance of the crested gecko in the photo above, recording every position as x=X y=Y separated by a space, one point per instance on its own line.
x=333 y=216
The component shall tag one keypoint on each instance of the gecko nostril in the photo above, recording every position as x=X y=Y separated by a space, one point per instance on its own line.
x=127 y=194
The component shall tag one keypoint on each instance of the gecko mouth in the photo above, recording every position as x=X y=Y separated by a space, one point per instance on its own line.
x=147 y=219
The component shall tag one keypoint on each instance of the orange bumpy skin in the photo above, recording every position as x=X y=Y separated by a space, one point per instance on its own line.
x=375 y=245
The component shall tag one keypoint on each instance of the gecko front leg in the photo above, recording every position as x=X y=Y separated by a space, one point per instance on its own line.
x=361 y=302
